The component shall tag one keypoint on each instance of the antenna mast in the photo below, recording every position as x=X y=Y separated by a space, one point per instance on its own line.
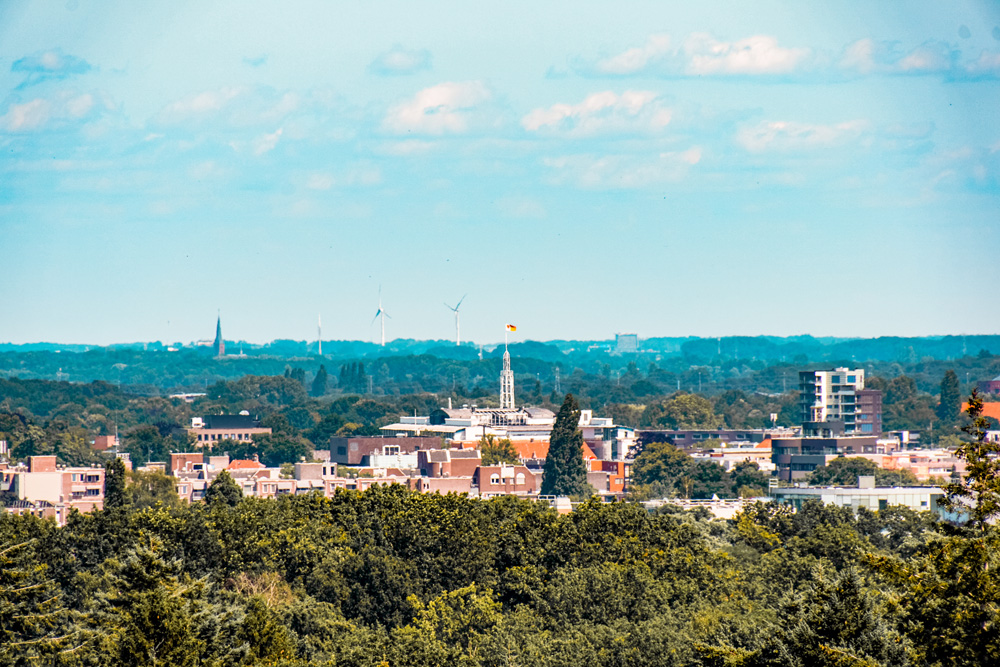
x=319 y=333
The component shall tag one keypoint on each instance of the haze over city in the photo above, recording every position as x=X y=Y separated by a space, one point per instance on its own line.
x=577 y=169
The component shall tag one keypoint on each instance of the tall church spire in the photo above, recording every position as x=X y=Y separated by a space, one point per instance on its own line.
x=507 y=376
x=219 y=345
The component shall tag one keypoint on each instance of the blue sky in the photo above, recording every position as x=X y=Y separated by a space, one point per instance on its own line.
x=577 y=168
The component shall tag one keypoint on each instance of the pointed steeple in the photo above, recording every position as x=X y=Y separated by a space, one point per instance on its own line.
x=219 y=345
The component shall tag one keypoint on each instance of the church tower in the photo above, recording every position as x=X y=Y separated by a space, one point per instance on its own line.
x=219 y=345
x=506 y=383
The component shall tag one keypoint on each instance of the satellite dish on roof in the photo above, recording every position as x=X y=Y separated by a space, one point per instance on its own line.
x=245 y=413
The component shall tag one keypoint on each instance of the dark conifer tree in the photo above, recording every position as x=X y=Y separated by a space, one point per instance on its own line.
x=114 y=483
x=565 y=470
x=951 y=399
x=319 y=382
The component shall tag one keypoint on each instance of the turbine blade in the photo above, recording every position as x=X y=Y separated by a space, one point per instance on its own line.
x=460 y=301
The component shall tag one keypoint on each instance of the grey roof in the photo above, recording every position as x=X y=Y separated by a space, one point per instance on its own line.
x=464 y=453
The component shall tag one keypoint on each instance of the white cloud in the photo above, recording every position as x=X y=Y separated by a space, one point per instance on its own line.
x=638 y=58
x=987 y=63
x=365 y=175
x=235 y=106
x=791 y=136
x=615 y=172
x=267 y=142
x=702 y=55
x=867 y=56
x=49 y=65
x=604 y=112
x=39 y=113
x=926 y=58
x=759 y=54
x=319 y=181
x=203 y=102
x=400 y=61
x=447 y=108
x=28 y=116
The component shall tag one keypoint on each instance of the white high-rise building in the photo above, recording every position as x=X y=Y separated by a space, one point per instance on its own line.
x=827 y=396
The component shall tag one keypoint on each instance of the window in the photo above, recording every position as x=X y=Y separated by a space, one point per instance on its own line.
x=852 y=379
x=519 y=480
x=494 y=478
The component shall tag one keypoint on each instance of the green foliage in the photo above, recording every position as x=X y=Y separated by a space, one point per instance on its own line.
x=950 y=404
x=494 y=451
x=978 y=493
x=271 y=449
x=663 y=468
x=115 y=484
x=31 y=613
x=844 y=471
x=223 y=491
x=151 y=489
x=319 y=382
x=682 y=411
x=565 y=471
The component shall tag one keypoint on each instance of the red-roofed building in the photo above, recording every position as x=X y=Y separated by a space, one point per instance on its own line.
x=245 y=464
x=990 y=409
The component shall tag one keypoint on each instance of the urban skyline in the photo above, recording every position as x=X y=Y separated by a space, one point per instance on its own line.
x=576 y=168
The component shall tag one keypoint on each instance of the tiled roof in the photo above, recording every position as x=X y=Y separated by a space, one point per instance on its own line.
x=990 y=409
x=244 y=464
x=531 y=450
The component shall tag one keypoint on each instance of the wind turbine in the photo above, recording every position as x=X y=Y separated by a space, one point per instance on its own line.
x=381 y=314
x=458 y=331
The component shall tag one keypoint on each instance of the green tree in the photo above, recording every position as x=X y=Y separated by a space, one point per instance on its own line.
x=496 y=451
x=661 y=463
x=149 y=489
x=950 y=406
x=319 y=382
x=565 y=471
x=682 y=411
x=223 y=491
x=748 y=480
x=843 y=471
x=31 y=610
x=978 y=494
x=115 y=483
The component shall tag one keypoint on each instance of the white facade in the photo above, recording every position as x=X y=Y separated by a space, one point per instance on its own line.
x=830 y=395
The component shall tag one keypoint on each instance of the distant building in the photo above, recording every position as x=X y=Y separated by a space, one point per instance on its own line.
x=358 y=450
x=989 y=386
x=837 y=397
x=693 y=438
x=795 y=458
x=215 y=428
x=867 y=495
x=48 y=490
x=626 y=343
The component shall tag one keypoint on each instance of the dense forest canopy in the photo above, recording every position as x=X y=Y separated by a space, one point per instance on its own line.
x=390 y=577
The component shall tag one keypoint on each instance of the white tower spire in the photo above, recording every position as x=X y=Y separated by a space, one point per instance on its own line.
x=506 y=377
